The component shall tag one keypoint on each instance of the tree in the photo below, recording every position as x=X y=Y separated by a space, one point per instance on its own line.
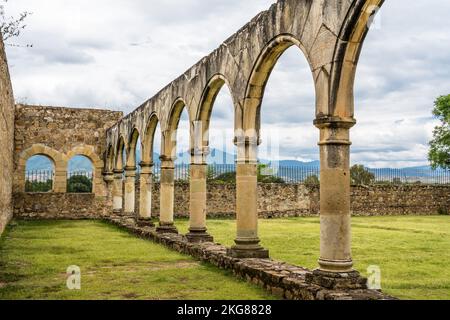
x=439 y=154
x=79 y=184
x=361 y=176
x=312 y=181
x=11 y=27
x=264 y=177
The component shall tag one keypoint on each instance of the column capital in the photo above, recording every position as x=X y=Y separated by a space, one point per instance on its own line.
x=199 y=155
x=167 y=162
x=334 y=123
x=145 y=164
x=247 y=141
x=108 y=176
x=117 y=172
x=130 y=168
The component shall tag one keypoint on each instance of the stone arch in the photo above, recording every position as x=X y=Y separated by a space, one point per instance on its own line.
x=119 y=164
x=169 y=135
x=208 y=98
x=260 y=75
x=149 y=139
x=347 y=53
x=109 y=159
x=89 y=152
x=59 y=160
x=131 y=150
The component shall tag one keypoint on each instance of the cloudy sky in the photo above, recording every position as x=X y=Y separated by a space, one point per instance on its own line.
x=115 y=54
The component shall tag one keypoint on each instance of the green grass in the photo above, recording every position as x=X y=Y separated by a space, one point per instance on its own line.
x=412 y=252
x=34 y=257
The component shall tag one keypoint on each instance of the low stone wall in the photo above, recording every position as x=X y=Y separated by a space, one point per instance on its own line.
x=295 y=200
x=281 y=279
x=274 y=201
x=60 y=206
x=400 y=200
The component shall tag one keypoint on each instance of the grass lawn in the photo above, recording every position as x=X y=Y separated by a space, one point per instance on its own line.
x=34 y=257
x=412 y=252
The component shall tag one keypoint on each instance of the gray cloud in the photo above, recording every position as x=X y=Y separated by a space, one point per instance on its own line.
x=117 y=54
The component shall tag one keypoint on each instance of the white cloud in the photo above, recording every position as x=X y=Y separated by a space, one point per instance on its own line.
x=117 y=54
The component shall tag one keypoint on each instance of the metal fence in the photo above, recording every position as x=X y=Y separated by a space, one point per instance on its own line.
x=298 y=174
x=42 y=180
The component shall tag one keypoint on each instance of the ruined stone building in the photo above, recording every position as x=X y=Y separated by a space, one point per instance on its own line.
x=329 y=33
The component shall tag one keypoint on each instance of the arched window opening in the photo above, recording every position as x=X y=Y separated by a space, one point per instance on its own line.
x=80 y=175
x=222 y=157
x=183 y=153
x=288 y=152
x=39 y=174
x=156 y=154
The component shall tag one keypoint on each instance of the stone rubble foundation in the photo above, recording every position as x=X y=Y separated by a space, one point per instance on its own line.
x=281 y=279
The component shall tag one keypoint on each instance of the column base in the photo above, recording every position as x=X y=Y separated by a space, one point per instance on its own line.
x=145 y=222
x=337 y=281
x=198 y=236
x=337 y=266
x=248 y=249
x=166 y=228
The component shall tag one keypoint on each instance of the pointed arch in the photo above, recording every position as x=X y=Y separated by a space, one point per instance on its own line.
x=121 y=147
x=347 y=53
x=149 y=139
x=132 y=147
x=207 y=101
x=169 y=136
x=259 y=77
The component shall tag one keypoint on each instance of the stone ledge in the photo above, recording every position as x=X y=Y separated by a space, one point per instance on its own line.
x=281 y=279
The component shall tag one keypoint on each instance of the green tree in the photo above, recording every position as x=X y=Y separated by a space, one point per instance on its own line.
x=312 y=181
x=37 y=187
x=265 y=177
x=361 y=176
x=79 y=184
x=439 y=154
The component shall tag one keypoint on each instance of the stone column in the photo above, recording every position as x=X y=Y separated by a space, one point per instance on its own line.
x=167 y=189
x=145 y=194
x=197 y=199
x=117 y=192
x=335 y=233
x=247 y=240
x=130 y=191
x=108 y=177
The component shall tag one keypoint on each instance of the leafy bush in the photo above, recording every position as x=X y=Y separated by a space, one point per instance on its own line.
x=79 y=184
x=312 y=181
x=361 y=176
x=35 y=186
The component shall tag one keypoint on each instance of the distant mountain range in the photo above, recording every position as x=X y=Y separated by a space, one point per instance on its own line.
x=216 y=156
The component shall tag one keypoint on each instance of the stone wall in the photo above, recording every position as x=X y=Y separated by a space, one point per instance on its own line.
x=6 y=140
x=60 y=206
x=60 y=134
x=291 y=200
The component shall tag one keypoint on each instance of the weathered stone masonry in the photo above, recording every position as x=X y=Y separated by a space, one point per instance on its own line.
x=6 y=140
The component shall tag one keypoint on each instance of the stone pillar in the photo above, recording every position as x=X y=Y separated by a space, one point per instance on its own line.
x=197 y=200
x=145 y=194
x=335 y=233
x=130 y=191
x=60 y=181
x=117 y=192
x=247 y=240
x=108 y=177
x=167 y=189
